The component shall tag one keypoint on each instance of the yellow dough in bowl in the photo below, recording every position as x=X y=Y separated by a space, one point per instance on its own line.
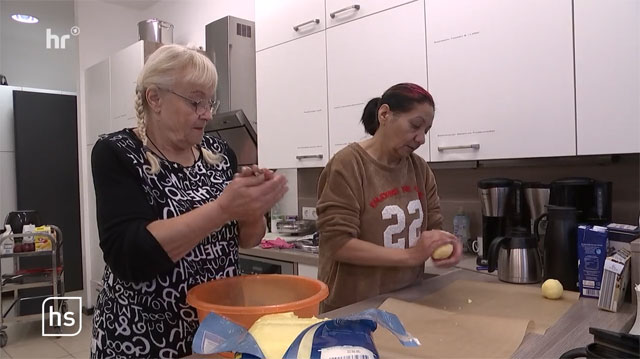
x=274 y=333
x=443 y=252
x=552 y=289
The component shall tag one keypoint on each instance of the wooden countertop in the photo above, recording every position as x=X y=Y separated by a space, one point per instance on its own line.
x=569 y=332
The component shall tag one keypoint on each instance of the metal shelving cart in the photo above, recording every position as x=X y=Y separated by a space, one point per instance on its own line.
x=52 y=277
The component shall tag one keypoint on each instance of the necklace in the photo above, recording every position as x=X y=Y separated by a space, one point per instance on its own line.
x=165 y=157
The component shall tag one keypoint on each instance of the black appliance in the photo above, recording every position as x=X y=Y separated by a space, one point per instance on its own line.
x=561 y=245
x=18 y=219
x=607 y=344
x=590 y=197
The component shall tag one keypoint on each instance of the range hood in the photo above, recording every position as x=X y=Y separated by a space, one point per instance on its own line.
x=235 y=128
x=231 y=46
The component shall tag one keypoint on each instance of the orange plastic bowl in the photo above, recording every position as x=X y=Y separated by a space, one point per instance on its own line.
x=246 y=298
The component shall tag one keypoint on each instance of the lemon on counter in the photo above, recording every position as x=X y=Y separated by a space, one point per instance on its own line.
x=274 y=333
x=443 y=252
x=552 y=289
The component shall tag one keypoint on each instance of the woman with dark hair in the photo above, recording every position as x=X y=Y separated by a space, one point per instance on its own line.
x=378 y=207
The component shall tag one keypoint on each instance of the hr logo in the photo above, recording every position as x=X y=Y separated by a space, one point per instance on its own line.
x=60 y=313
x=59 y=42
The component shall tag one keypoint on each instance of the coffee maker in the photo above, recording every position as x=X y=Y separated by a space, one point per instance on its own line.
x=590 y=197
x=572 y=201
x=495 y=199
x=537 y=198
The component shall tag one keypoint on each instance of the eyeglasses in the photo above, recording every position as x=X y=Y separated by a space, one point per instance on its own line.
x=200 y=106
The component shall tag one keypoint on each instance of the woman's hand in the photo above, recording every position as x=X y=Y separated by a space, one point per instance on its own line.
x=429 y=241
x=252 y=193
x=454 y=258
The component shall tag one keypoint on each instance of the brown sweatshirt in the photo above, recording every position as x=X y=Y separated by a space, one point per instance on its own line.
x=359 y=197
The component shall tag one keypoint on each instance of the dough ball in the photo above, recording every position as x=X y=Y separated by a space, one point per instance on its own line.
x=552 y=289
x=443 y=252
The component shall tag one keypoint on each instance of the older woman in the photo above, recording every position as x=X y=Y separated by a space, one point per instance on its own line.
x=172 y=211
x=378 y=208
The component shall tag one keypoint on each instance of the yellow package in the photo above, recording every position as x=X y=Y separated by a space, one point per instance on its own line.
x=274 y=333
x=43 y=243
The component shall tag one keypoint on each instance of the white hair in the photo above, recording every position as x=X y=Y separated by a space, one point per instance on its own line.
x=161 y=70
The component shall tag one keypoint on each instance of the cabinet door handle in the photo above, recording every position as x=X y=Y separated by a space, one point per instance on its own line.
x=355 y=7
x=304 y=157
x=314 y=21
x=474 y=146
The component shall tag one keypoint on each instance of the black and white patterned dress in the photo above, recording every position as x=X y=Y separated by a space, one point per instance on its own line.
x=142 y=310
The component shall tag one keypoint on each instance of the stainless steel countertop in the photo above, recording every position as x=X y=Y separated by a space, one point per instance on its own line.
x=287 y=255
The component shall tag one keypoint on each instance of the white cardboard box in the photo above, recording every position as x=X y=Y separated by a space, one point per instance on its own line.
x=615 y=280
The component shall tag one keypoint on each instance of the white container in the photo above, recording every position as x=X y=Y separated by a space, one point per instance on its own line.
x=276 y=216
x=461 y=227
x=6 y=244
x=28 y=228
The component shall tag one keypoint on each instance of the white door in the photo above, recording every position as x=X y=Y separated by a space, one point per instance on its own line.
x=8 y=196
x=7 y=143
x=97 y=92
x=126 y=64
x=285 y=20
x=96 y=267
x=364 y=58
x=607 y=51
x=292 y=104
x=501 y=74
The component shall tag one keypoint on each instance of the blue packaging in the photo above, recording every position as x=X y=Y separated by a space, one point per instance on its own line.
x=592 y=253
x=347 y=337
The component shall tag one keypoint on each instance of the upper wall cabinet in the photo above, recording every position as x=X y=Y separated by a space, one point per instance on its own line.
x=285 y=20
x=292 y=104
x=125 y=67
x=364 y=58
x=501 y=73
x=341 y=11
x=607 y=46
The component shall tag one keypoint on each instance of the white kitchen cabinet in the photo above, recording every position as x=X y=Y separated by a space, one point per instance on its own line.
x=6 y=118
x=292 y=104
x=501 y=74
x=97 y=104
x=341 y=11
x=308 y=270
x=285 y=20
x=125 y=65
x=607 y=64
x=364 y=59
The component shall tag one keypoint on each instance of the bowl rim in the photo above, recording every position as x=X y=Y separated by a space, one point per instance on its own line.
x=323 y=293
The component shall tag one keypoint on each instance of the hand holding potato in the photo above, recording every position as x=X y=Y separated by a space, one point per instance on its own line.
x=436 y=244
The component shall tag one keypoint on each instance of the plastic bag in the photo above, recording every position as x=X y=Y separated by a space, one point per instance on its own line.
x=337 y=338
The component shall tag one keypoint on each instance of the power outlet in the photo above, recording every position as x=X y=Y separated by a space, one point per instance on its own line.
x=309 y=213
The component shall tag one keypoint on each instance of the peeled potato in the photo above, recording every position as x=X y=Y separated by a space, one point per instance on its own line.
x=443 y=252
x=552 y=289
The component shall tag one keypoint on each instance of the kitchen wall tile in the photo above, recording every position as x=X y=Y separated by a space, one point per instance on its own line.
x=458 y=187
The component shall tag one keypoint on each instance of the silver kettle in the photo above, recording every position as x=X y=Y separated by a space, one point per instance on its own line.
x=516 y=257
